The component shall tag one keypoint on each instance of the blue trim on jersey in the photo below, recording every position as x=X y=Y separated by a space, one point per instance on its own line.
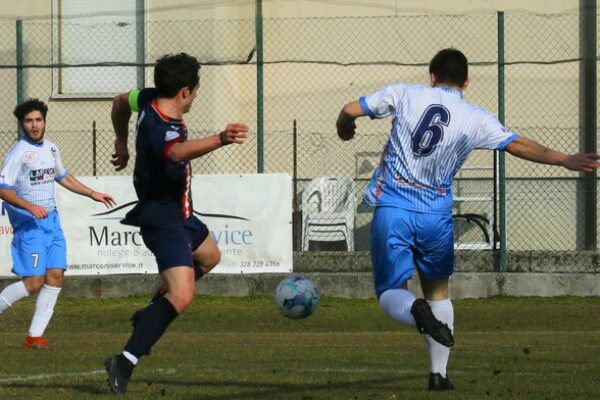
x=363 y=104
x=63 y=176
x=38 y=144
x=505 y=143
x=6 y=186
x=450 y=90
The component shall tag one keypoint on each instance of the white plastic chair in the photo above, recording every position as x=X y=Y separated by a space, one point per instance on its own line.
x=328 y=206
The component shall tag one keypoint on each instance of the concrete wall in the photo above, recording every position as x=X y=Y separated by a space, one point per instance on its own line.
x=348 y=275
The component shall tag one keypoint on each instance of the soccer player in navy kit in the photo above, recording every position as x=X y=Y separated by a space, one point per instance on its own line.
x=181 y=243
x=38 y=248
x=433 y=132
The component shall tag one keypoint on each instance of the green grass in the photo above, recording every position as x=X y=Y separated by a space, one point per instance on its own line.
x=241 y=348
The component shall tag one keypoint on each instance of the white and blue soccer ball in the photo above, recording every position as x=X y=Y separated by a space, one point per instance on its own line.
x=297 y=297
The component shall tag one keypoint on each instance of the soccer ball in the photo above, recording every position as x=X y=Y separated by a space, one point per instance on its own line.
x=297 y=297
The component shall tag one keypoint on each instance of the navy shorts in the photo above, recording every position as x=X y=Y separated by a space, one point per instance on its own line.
x=173 y=244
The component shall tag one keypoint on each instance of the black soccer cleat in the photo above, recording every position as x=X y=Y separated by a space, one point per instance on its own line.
x=428 y=323
x=119 y=371
x=438 y=382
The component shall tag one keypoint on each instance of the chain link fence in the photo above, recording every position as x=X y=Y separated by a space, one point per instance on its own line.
x=311 y=68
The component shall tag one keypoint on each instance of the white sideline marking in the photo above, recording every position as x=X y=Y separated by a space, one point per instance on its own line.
x=40 y=377
x=302 y=370
x=49 y=376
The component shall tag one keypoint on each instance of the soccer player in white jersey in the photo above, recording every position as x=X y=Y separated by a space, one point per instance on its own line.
x=433 y=131
x=38 y=247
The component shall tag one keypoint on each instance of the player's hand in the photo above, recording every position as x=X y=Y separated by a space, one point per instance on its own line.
x=103 y=198
x=582 y=162
x=234 y=133
x=38 y=212
x=120 y=156
x=346 y=131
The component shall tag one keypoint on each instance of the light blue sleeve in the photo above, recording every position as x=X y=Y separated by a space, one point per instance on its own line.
x=383 y=102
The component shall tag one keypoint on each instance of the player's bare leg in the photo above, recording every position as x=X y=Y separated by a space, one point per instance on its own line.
x=207 y=255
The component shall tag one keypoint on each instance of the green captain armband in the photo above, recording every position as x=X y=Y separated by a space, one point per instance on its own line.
x=133 y=99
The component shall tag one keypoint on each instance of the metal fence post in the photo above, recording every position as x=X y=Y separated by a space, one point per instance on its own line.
x=140 y=39
x=259 y=89
x=501 y=264
x=587 y=213
x=20 y=73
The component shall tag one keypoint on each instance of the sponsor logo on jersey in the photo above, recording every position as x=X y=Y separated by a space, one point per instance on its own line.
x=29 y=157
x=170 y=135
x=41 y=175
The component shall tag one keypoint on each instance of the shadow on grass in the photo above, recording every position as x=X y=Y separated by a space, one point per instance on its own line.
x=285 y=390
x=87 y=388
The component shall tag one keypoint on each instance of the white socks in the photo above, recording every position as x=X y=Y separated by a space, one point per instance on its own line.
x=44 y=308
x=438 y=353
x=11 y=294
x=134 y=360
x=397 y=303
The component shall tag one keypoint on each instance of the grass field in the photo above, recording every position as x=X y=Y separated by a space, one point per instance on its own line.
x=241 y=348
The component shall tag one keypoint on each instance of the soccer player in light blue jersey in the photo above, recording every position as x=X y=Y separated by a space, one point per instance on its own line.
x=433 y=131
x=38 y=247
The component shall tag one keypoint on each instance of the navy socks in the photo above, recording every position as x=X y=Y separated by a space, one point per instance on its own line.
x=151 y=326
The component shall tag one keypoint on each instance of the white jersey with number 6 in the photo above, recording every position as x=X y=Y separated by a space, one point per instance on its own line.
x=433 y=132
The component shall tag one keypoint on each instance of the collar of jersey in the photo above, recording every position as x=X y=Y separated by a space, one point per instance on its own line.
x=164 y=116
x=38 y=144
x=450 y=90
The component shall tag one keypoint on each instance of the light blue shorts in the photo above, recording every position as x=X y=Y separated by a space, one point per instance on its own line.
x=39 y=245
x=402 y=239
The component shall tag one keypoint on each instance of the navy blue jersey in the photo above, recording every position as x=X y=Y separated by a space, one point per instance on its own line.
x=163 y=187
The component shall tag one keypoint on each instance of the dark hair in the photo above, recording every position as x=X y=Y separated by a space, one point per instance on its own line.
x=174 y=72
x=21 y=110
x=450 y=66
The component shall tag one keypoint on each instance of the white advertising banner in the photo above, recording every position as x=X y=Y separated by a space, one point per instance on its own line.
x=249 y=217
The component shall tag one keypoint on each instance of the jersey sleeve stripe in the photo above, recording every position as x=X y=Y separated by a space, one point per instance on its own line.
x=6 y=186
x=363 y=104
x=506 y=142
x=133 y=99
x=61 y=177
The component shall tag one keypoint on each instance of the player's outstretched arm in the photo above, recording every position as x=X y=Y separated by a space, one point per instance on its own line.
x=530 y=150
x=11 y=197
x=120 y=115
x=346 y=128
x=190 y=149
x=75 y=186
